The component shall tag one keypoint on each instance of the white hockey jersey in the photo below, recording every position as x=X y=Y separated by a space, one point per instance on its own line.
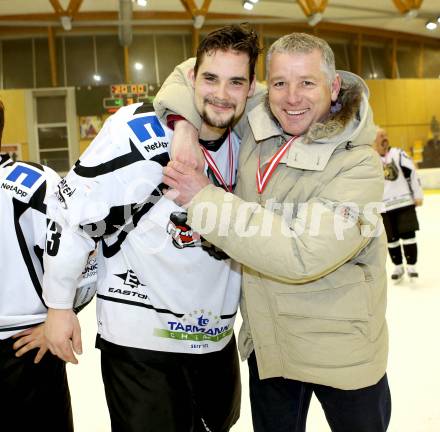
x=24 y=188
x=160 y=286
x=402 y=184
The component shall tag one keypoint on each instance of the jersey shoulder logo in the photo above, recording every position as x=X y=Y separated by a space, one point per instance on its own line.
x=150 y=133
x=22 y=181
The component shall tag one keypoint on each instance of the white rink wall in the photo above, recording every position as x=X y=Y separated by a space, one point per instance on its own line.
x=430 y=178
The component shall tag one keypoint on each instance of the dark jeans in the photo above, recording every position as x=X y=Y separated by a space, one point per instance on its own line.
x=171 y=392
x=33 y=397
x=281 y=405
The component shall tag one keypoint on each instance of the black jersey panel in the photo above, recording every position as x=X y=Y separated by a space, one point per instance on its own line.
x=19 y=209
x=113 y=165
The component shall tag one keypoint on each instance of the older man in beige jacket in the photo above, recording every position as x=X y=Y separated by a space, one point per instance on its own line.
x=305 y=226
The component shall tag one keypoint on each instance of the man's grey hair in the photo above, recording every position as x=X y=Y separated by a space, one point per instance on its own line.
x=304 y=43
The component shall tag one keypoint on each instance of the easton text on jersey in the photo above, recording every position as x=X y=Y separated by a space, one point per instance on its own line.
x=129 y=293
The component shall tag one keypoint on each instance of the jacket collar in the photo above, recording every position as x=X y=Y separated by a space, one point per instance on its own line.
x=341 y=128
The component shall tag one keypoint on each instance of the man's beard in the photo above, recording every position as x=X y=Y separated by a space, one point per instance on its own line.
x=217 y=123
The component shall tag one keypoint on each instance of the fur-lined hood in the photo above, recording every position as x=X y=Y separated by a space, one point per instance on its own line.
x=350 y=111
x=343 y=111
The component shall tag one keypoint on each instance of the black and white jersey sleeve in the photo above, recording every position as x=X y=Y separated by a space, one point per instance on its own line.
x=111 y=182
x=410 y=173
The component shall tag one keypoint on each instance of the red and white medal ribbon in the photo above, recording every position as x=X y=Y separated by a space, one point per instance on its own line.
x=211 y=163
x=263 y=179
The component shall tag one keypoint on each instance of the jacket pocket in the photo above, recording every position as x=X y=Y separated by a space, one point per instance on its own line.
x=347 y=302
x=326 y=328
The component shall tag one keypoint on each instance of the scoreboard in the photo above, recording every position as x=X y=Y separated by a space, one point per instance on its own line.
x=125 y=94
x=125 y=89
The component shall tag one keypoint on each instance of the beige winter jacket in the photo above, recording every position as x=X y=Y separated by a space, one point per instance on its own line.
x=314 y=283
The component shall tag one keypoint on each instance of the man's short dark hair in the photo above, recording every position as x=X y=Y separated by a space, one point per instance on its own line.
x=2 y=120
x=241 y=38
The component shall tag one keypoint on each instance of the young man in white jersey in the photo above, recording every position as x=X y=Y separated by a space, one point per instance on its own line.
x=167 y=299
x=34 y=394
x=402 y=194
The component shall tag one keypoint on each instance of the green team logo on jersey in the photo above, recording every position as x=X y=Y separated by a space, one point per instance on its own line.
x=195 y=326
x=222 y=332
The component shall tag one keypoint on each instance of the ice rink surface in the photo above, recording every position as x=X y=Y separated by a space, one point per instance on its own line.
x=414 y=362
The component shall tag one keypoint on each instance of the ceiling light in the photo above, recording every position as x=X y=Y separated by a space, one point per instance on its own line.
x=97 y=77
x=138 y=66
x=142 y=3
x=431 y=25
x=314 y=19
x=66 y=22
x=411 y=13
x=254 y=1
x=248 y=5
x=198 y=21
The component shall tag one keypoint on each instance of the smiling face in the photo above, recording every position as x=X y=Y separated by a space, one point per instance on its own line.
x=299 y=90
x=221 y=88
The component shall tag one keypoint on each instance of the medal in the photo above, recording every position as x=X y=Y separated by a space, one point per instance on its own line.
x=211 y=163
x=263 y=179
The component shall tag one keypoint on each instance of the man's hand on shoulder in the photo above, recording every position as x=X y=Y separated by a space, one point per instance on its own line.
x=63 y=334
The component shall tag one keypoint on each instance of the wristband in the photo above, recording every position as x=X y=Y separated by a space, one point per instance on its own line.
x=172 y=118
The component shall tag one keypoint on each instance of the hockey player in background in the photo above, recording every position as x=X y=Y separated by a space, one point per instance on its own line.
x=402 y=194
x=34 y=393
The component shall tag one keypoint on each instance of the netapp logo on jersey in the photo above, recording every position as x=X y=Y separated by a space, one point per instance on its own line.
x=156 y=145
x=15 y=189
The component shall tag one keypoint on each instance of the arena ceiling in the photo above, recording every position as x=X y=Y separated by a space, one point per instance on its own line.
x=404 y=16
